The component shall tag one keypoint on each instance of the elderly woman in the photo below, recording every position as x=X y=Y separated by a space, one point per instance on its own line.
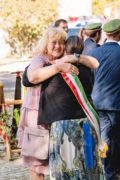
x=40 y=71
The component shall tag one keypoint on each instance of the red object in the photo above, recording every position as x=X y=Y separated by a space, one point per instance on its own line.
x=18 y=74
x=73 y=18
x=0 y=131
x=4 y=137
x=2 y=123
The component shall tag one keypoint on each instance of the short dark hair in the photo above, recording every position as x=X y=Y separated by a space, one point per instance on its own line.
x=74 y=44
x=92 y=34
x=57 y=23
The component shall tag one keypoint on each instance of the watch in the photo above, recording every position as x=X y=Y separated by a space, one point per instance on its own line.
x=77 y=55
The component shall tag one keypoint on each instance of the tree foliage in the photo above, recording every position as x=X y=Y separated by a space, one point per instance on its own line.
x=25 y=21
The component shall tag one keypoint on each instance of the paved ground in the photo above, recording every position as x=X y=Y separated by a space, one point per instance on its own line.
x=12 y=170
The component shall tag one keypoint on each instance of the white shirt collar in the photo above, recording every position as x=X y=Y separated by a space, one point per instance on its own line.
x=111 y=41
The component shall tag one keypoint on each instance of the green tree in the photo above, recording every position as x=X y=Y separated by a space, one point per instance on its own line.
x=25 y=21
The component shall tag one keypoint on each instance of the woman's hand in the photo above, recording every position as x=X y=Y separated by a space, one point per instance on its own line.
x=67 y=68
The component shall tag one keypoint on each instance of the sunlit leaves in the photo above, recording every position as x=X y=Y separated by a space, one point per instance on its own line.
x=25 y=21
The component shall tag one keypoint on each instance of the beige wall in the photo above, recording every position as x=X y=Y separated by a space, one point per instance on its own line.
x=112 y=10
x=75 y=8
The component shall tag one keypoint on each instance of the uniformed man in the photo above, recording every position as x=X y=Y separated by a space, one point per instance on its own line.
x=106 y=96
x=93 y=34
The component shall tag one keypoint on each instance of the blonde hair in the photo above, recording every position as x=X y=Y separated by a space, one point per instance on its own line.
x=50 y=32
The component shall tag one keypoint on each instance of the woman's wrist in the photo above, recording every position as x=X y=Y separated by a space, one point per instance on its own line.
x=78 y=56
x=57 y=67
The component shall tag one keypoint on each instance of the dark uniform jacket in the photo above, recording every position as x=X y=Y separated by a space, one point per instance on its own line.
x=89 y=45
x=106 y=90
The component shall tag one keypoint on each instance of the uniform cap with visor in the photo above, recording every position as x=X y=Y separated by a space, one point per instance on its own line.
x=93 y=26
x=112 y=26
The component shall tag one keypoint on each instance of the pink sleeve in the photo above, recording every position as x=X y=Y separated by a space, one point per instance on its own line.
x=38 y=61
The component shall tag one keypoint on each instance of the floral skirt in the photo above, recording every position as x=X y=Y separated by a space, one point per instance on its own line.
x=74 y=151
